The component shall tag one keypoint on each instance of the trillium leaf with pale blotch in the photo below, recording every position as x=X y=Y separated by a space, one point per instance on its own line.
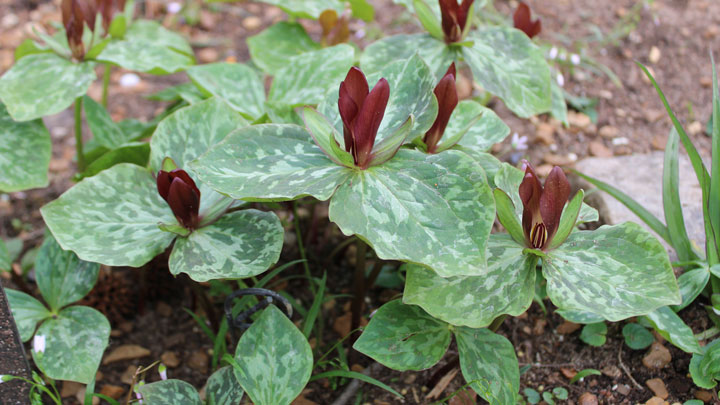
x=223 y=388
x=615 y=272
x=5 y=261
x=43 y=84
x=387 y=50
x=473 y=126
x=507 y=286
x=74 y=343
x=24 y=153
x=404 y=337
x=306 y=8
x=239 y=85
x=273 y=359
x=271 y=49
x=169 y=392
x=27 y=312
x=670 y=326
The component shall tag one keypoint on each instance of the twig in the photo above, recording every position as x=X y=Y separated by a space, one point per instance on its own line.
x=627 y=372
x=355 y=385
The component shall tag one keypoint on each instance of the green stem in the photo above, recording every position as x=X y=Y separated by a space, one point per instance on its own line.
x=359 y=284
x=303 y=255
x=78 y=135
x=497 y=322
x=106 y=83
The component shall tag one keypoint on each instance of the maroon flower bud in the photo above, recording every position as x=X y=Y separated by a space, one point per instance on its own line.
x=182 y=195
x=454 y=18
x=75 y=14
x=107 y=9
x=447 y=98
x=542 y=207
x=361 y=112
x=522 y=21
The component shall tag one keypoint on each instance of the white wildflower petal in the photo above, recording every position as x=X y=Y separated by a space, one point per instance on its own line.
x=560 y=79
x=575 y=59
x=39 y=344
x=174 y=7
x=553 y=53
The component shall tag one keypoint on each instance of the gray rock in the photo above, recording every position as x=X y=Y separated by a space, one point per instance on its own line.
x=640 y=177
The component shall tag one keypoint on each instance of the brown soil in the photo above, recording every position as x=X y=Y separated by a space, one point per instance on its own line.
x=683 y=30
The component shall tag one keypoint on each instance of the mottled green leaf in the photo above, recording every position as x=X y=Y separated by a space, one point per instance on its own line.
x=137 y=153
x=43 y=84
x=188 y=133
x=238 y=245
x=700 y=375
x=235 y=83
x=506 y=215
x=270 y=161
x=169 y=392
x=61 y=276
x=489 y=163
x=637 y=337
x=587 y=214
x=112 y=218
x=507 y=286
x=615 y=272
x=483 y=134
x=508 y=64
x=404 y=337
x=306 y=8
x=274 y=358
x=568 y=219
x=306 y=78
x=149 y=47
x=5 y=262
x=411 y=93
x=489 y=364
x=104 y=129
x=183 y=91
x=325 y=135
x=223 y=388
x=24 y=153
x=670 y=326
x=434 y=52
x=508 y=179
x=691 y=284
x=559 y=106
x=436 y=210
x=362 y=9
x=271 y=49
x=594 y=334
x=581 y=317
x=74 y=343
x=27 y=312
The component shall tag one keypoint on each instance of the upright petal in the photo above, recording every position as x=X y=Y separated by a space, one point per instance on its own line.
x=368 y=121
x=348 y=112
x=182 y=175
x=523 y=22
x=530 y=192
x=163 y=184
x=184 y=203
x=356 y=85
x=553 y=199
x=449 y=14
x=447 y=98
x=463 y=13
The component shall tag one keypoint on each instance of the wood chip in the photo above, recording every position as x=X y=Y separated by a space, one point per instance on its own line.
x=442 y=384
x=126 y=352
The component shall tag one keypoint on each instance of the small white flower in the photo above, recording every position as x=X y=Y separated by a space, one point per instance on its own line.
x=129 y=80
x=163 y=372
x=519 y=142
x=575 y=59
x=620 y=141
x=553 y=53
x=560 y=79
x=3 y=377
x=39 y=344
x=573 y=157
x=174 y=7
x=360 y=33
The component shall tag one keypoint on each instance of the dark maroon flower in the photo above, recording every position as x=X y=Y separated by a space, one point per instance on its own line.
x=522 y=21
x=107 y=9
x=182 y=195
x=361 y=112
x=454 y=18
x=75 y=13
x=447 y=98
x=542 y=207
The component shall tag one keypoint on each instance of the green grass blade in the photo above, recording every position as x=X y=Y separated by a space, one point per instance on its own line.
x=671 y=201
x=585 y=373
x=201 y=324
x=646 y=216
x=275 y=272
x=219 y=345
x=714 y=200
x=357 y=376
x=315 y=308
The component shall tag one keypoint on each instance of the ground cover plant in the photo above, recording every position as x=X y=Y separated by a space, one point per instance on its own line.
x=391 y=160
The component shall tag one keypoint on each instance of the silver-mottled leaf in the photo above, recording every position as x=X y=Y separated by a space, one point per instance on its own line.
x=188 y=133
x=404 y=337
x=691 y=284
x=169 y=392
x=306 y=8
x=137 y=153
x=105 y=131
x=483 y=134
x=5 y=262
x=274 y=358
x=670 y=326
x=223 y=388
x=24 y=153
x=271 y=161
x=74 y=344
x=506 y=287
x=271 y=49
x=489 y=163
x=235 y=83
x=434 y=52
x=508 y=64
x=27 y=312
x=411 y=93
x=489 y=364
x=306 y=78
x=615 y=272
x=559 y=106
x=61 y=276
x=581 y=317
x=43 y=84
x=238 y=245
x=112 y=218
x=436 y=210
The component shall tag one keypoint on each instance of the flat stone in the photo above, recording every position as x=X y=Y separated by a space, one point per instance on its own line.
x=164 y=309
x=126 y=352
x=655 y=401
x=608 y=131
x=113 y=391
x=640 y=176
x=599 y=149
x=545 y=133
x=198 y=361
x=567 y=328
x=705 y=396
x=657 y=386
x=657 y=357
x=170 y=359
x=579 y=120
x=623 y=389
x=588 y=399
x=611 y=371
x=70 y=389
